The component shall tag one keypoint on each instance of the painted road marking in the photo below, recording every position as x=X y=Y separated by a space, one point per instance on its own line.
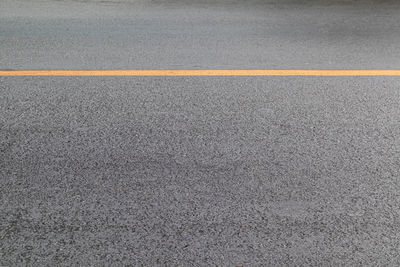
x=202 y=73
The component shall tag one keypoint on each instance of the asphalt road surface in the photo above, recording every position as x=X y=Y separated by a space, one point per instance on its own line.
x=199 y=171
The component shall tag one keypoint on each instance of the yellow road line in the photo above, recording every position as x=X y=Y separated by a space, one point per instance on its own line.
x=202 y=73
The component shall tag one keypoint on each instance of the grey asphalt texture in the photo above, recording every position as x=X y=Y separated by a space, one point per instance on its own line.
x=199 y=171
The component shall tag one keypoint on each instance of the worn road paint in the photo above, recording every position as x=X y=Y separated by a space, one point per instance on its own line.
x=203 y=73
